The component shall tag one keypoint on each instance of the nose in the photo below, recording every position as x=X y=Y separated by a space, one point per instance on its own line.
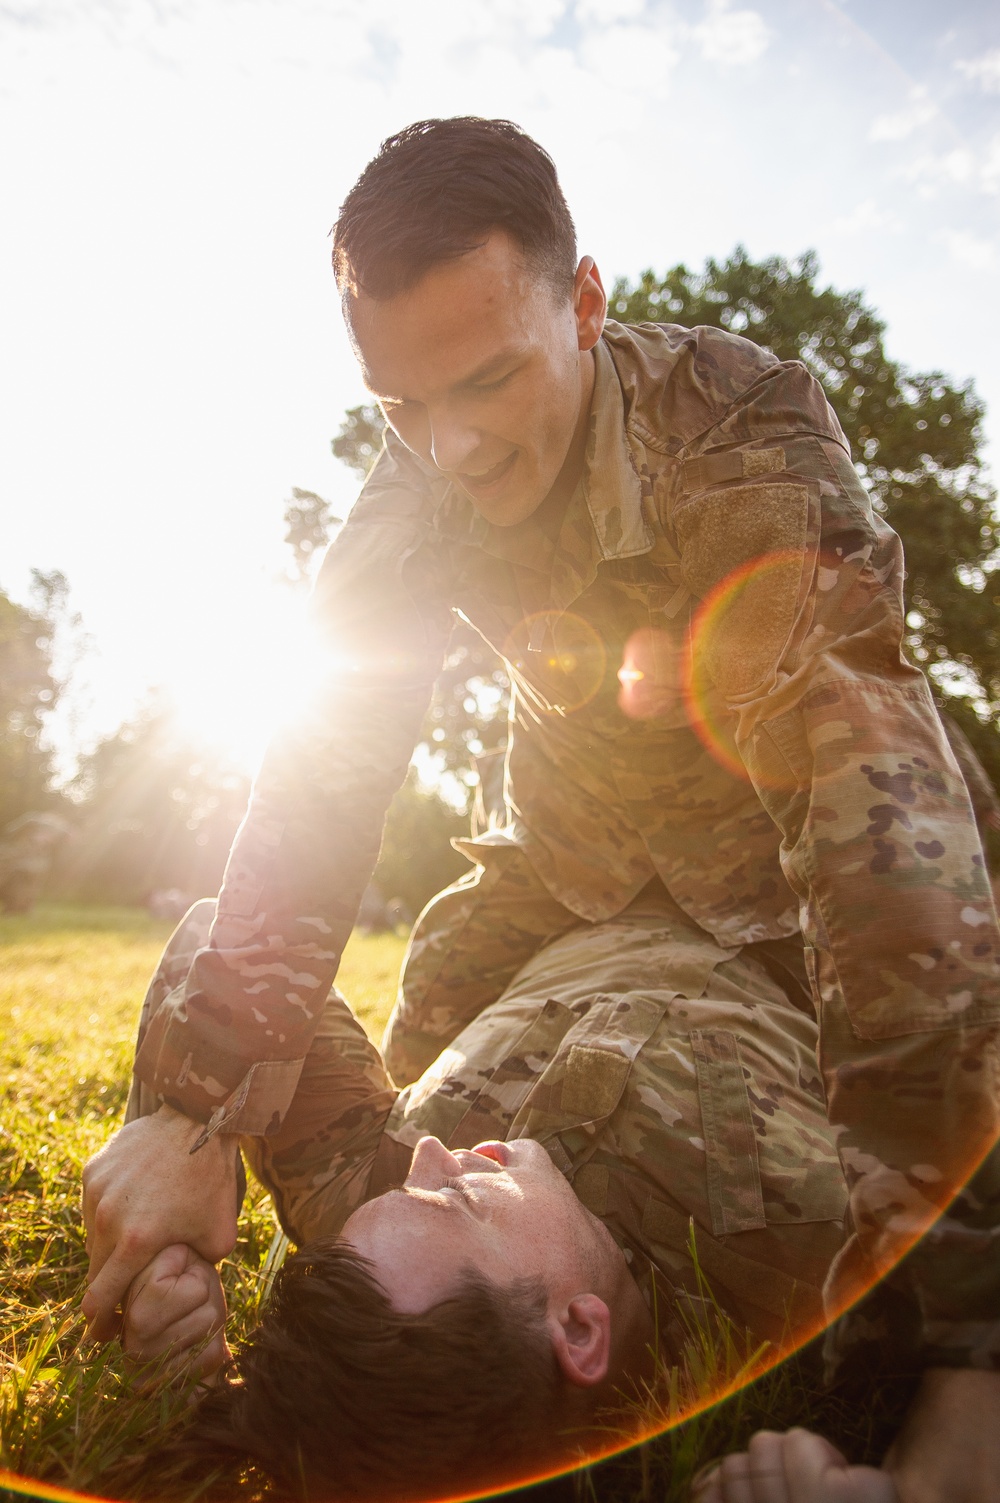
x=453 y=442
x=431 y=1165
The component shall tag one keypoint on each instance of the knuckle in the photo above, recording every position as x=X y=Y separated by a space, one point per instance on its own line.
x=105 y=1216
x=133 y=1243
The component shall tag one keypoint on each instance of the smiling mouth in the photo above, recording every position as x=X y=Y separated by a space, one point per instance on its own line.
x=488 y=479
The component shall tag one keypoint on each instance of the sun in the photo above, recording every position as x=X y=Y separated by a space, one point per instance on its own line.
x=253 y=677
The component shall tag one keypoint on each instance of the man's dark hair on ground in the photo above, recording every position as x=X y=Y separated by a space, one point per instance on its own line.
x=338 y=1395
x=436 y=190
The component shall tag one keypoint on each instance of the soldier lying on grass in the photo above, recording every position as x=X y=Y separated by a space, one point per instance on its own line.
x=499 y=1253
x=662 y=532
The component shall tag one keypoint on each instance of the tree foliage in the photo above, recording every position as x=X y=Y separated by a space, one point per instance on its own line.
x=309 y=520
x=916 y=441
x=157 y=810
x=417 y=858
x=468 y=712
x=29 y=691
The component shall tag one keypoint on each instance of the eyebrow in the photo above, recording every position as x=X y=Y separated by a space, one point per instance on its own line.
x=488 y=368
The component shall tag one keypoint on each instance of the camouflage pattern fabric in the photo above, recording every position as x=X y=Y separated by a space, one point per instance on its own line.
x=465 y=947
x=668 y=1078
x=788 y=772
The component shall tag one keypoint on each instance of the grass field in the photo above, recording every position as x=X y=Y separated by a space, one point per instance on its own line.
x=71 y=982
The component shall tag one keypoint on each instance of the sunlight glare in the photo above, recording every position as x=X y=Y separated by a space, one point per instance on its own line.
x=254 y=677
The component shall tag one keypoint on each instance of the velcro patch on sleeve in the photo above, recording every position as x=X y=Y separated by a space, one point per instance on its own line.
x=762 y=461
x=731 y=464
x=742 y=554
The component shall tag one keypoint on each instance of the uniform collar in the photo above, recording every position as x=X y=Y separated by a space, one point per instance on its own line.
x=611 y=480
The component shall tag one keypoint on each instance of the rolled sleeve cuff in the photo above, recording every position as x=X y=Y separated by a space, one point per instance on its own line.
x=223 y=1091
x=258 y=1105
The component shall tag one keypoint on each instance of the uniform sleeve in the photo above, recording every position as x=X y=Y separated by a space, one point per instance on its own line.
x=227 y=1047
x=798 y=636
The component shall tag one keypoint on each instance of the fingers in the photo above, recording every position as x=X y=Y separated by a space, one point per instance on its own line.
x=797 y=1467
x=174 y=1285
x=110 y=1286
x=756 y=1475
x=146 y=1346
x=816 y=1468
x=176 y=1316
x=201 y=1357
x=765 y=1455
x=146 y=1191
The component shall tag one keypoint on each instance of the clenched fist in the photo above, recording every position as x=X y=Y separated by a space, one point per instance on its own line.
x=796 y=1467
x=176 y=1306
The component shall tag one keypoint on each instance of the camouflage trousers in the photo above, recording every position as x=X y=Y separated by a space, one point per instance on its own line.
x=466 y=947
x=472 y=939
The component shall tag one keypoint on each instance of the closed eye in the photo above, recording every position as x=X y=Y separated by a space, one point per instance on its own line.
x=486 y=387
x=460 y=1188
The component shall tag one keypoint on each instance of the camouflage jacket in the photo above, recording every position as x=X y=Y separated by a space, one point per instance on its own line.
x=788 y=771
x=670 y=1080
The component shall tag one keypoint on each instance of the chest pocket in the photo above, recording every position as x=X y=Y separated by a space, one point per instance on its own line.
x=765 y=1163
x=585 y=1082
x=566 y=1069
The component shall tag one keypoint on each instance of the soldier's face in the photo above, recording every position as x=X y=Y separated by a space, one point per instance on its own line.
x=502 y=1210
x=487 y=374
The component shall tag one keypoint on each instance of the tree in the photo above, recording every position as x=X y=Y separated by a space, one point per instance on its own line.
x=468 y=712
x=916 y=442
x=417 y=858
x=156 y=810
x=309 y=520
x=466 y=717
x=29 y=691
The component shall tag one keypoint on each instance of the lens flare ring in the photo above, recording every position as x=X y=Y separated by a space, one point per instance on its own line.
x=561 y=659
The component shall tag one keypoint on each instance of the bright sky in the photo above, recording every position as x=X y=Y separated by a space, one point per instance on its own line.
x=171 y=357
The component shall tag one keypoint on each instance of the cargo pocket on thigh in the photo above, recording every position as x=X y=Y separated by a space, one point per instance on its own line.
x=734 y=1190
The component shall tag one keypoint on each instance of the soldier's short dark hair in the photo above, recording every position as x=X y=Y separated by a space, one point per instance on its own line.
x=338 y=1395
x=436 y=190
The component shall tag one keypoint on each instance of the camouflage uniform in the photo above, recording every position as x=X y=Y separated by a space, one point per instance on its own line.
x=668 y=1078
x=794 y=778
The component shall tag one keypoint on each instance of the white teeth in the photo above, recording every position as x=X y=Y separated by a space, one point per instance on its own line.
x=482 y=474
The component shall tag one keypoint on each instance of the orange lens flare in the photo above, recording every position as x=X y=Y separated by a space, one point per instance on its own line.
x=560 y=659
x=758 y=1363
x=726 y=619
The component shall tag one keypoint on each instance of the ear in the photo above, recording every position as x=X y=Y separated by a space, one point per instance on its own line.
x=590 y=305
x=581 y=1340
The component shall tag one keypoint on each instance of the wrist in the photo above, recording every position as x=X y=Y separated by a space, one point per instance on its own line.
x=190 y=1134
